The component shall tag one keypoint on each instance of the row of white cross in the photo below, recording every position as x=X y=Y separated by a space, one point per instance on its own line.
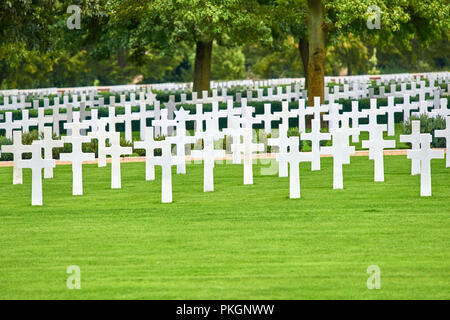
x=240 y=124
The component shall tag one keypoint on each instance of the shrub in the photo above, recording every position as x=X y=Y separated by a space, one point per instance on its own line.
x=428 y=125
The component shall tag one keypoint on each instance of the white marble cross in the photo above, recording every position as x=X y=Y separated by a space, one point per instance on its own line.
x=376 y=144
x=355 y=115
x=144 y=114
x=93 y=121
x=17 y=149
x=285 y=114
x=115 y=150
x=373 y=113
x=166 y=161
x=112 y=119
x=407 y=107
x=302 y=112
x=414 y=140
x=27 y=122
x=215 y=115
x=267 y=118
x=282 y=142
x=318 y=109
x=57 y=118
x=340 y=151
x=315 y=136
x=36 y=164
x=101 y=135
x=446 y=135
x=234 y=132
x=9 y=125
x=48 y=144
x=209 y=154
x=248 y=120
x=294 y=157
x=425 y=154
x=181 y=139
x=247 y=148
x=391 y=109
x=164 y=123
x=443 y=111
x=333 y=114
x=149 y=144
x=42 y=119
x=128 y=119
x=77 y=157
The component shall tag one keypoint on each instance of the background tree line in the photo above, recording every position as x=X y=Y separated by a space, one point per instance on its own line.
x=133 y=41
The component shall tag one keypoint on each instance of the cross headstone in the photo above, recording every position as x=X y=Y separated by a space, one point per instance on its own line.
x=77 y=157
x=282 y=142
x=27 y=122
x=48 y=144
x=166 y=161
x=17 y=149
x=36 y=164
x=267 y=118
x=315 y=136
x=302 y=112
x=164 y=123
x=9 y=125
x=294 y=157
x=446 y=135
x=128 y=119
x=112 y=119
x=149 y=144
x=247 y=148
x=101 y=135
x=115 y=150
x=181 y=139
x=340 y=151
x=171 y=107
x=425 y=154
x=414 y=140
x=373 y=113
x=209 y=154
x=355 y=115
x=376 y=144
x=285 y=114
x=234 y=133
x=144 y=114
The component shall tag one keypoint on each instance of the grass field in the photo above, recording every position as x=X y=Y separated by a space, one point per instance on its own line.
x=239 y=242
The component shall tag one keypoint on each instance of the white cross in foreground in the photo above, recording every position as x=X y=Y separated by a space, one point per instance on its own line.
x=115 y=150
x=77 y=156
x=341 y=151
x=414 y=140
x=166 y=161
x=247 y=148
x=424 y=155
x=446 y=135
x=149 y=144
x=17 y=149
x=294 y=157
x=376 y=144
x=36 y=164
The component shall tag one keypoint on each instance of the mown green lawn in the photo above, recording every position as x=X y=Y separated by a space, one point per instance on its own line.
x=239 y=242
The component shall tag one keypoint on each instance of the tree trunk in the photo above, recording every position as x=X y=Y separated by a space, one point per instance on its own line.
x=316 y=42
x=202 y=69
x=304 y=53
